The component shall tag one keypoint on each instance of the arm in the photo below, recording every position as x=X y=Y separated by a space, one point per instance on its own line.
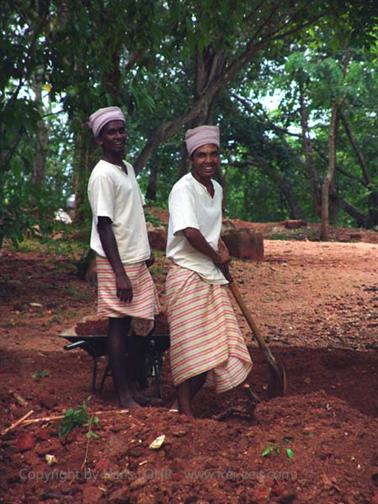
x=220 y=258
x=109 y=244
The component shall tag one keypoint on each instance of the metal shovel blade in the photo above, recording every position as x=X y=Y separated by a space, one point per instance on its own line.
x=277 y=374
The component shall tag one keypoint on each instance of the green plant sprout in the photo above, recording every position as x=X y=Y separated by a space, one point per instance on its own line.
x=78 y=417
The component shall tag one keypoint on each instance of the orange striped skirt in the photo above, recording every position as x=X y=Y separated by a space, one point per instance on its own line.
x=145 y=303
x=205 y=336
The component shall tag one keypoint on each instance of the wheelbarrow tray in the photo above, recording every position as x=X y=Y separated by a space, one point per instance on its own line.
x=96 y=346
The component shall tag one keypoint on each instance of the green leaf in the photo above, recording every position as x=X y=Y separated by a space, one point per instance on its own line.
x=289 y=453
x=92 y=435
x=37 y=375
x=266 y=451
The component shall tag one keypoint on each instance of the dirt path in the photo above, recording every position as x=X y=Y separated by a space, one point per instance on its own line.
x=316 y=303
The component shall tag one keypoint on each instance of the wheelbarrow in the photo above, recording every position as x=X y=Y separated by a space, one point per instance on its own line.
x=96 y=346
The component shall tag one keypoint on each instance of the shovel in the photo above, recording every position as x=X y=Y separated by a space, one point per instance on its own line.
x=278 y=381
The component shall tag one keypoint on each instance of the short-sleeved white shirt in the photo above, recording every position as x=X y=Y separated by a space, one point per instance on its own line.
x=113 y=193
x=190 y=205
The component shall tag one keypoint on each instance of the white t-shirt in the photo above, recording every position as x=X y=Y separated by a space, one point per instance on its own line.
x=190 y=205
x=113 y=193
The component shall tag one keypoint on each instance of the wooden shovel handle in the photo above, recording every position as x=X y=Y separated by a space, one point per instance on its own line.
x=278 y=379
x=252 y=324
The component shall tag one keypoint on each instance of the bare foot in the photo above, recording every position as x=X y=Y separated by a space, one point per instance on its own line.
x=174 y=407
x=141 y=398
x=129 y=403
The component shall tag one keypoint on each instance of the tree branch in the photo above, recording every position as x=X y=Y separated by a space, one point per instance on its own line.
x=134 y=58
x=361 y=219
x=26 y=65
x=212 y=89
x=265 y=119
x=356 y=149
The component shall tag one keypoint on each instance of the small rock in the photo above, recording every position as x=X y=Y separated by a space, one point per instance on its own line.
x=135 y=451
x=328 y=482
x=145 y=499
x=102 y=465
x=191 y=499
x=48 y=402
x=42 y=435
x=138 y=483
x=179 y=433
x=42 y=448
x=50 y=459
x=374 y=459
x=119 y=496
x=54 y=445
x=91 y=494
x=25 y=442
x=374 y=499
x=287 y=497
x=260 y=495
x=308 y=431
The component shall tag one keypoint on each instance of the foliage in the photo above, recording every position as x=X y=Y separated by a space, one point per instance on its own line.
x=38 y=375
x=155 y=221
x=78 y=417
x=171 y=65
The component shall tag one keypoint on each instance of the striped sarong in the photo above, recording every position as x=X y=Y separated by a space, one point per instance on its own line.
x=145 y=303
x=205 y=336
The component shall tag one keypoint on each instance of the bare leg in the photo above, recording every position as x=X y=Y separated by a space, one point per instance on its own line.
x=186 y=392
x=184 y=398
x=196 y=383
x=136 y=364
x=118 y=329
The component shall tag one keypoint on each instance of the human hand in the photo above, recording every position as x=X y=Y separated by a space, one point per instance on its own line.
x=226 y=271
x=223 y=253
x=124 y=288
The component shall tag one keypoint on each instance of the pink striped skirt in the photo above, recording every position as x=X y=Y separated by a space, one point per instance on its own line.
x=205 y=336
x=145 y=303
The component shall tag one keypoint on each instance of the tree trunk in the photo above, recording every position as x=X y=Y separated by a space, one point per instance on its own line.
x=82 y=165
x=313 y=176
x=185 y=162
x=283 y=184
x=361 y=219
x=356 y=149
x=329 y=178
x=373 y=193
x=42 y=135
x=268 y=30
x=152 y=182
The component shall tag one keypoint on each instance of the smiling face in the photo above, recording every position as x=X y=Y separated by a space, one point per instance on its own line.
x=206 y=162
x=112 y=138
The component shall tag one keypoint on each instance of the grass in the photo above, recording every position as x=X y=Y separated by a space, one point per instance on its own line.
x=74 y=293
x=294 y=234
x=65 y=246
x=157 y=269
